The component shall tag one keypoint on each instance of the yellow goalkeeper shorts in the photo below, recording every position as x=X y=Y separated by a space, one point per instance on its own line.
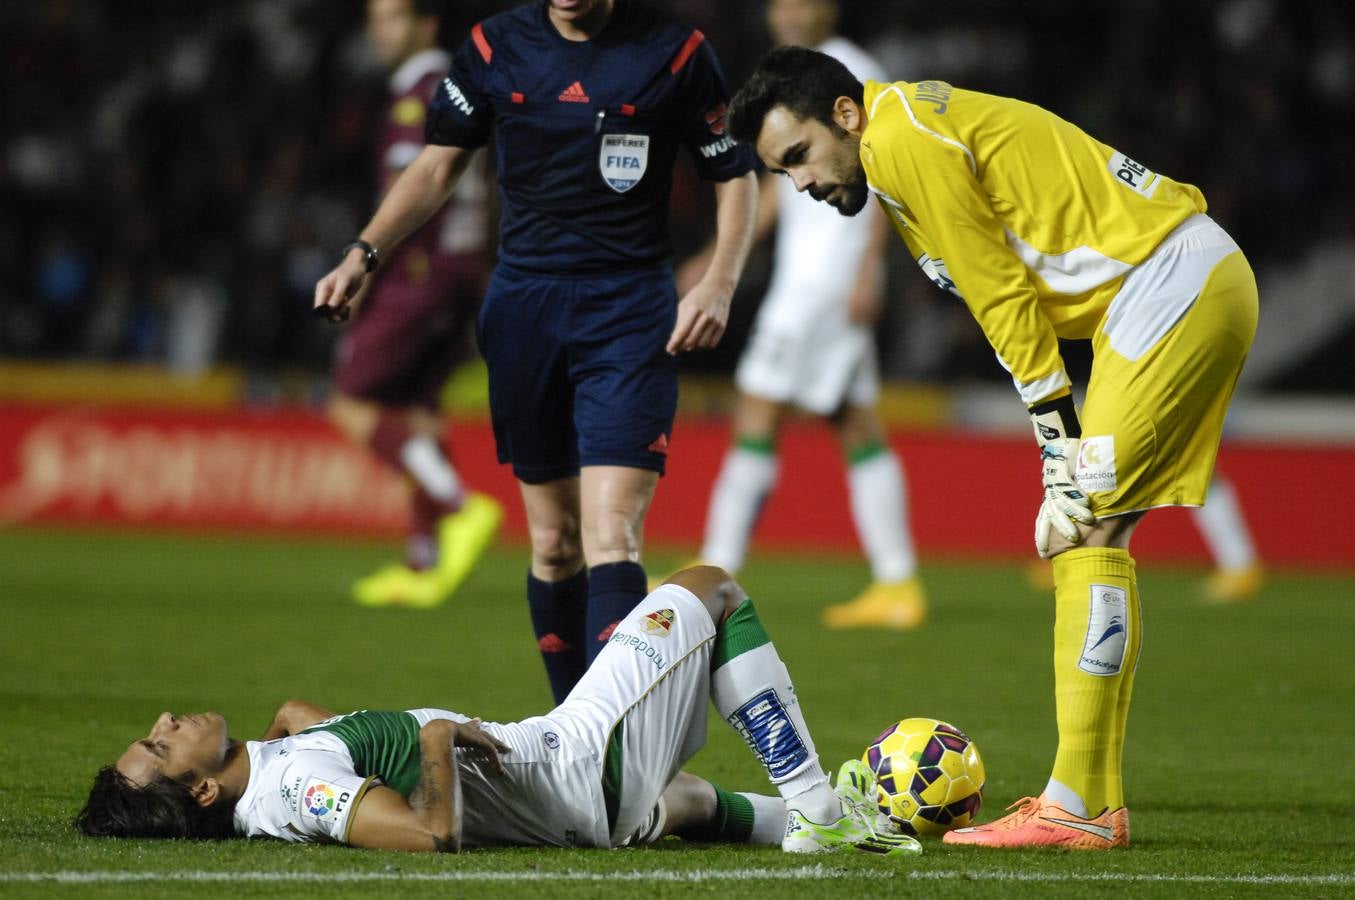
x=1166 y=358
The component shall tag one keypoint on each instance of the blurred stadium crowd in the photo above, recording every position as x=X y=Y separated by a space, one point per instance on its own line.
x=175 y=176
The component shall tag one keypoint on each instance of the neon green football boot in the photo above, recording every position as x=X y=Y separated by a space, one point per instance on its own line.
x=463 y=538
x=392 y=585
x=861 y=826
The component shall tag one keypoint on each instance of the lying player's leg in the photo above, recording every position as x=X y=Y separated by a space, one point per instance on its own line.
x=698 y=636
x=696 y=810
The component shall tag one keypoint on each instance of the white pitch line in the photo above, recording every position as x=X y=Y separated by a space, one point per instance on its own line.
x=666 y=875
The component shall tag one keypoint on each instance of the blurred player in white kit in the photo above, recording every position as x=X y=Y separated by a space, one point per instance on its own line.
x=813 y=347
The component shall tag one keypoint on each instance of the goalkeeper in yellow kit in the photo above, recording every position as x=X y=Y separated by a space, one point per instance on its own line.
x=1046 y=233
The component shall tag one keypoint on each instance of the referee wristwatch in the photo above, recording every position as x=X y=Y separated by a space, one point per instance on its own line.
x=367 y=249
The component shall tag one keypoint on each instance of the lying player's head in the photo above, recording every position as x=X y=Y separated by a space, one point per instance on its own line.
x=801 y=111
x=166 y=785
x=401 y=28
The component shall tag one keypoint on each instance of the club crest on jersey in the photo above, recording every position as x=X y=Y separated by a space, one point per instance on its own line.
x=622 y=160
x=659 y=622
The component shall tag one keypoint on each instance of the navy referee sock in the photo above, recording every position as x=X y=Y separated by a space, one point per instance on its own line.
x=614 y=589
x=558 y=609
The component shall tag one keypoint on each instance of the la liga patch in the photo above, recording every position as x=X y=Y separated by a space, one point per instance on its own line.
x=319 y=798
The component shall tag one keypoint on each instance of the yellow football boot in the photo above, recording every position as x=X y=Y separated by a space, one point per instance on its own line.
x=900 y=605
x=1234 y=585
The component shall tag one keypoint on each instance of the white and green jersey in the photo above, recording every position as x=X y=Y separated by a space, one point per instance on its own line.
x=304 y=788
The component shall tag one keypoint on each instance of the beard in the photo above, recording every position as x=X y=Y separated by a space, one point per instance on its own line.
x=849 y=193
x=851 y=198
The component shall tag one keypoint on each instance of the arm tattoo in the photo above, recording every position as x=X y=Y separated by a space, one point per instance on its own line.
x=435 y=798
x=425 y=793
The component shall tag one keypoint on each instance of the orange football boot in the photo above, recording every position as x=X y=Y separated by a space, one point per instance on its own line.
x=1042 y=823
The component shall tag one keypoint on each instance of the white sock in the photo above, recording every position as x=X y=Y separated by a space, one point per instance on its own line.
x=745 y=480
x=424 y=460
x=753 y=692
x=1223 y=528
x=880 y=510
x=769 y=818
x=1058 y=792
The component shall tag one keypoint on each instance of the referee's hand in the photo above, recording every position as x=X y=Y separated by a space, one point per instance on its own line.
x=334 y=292
x=701 y=318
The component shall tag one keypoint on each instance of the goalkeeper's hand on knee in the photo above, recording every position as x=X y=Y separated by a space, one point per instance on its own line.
x=1064 y=505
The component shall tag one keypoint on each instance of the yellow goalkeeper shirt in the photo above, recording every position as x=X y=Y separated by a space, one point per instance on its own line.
x=1031 y=221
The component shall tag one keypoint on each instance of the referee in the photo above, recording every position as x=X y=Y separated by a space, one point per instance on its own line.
x=587 y=102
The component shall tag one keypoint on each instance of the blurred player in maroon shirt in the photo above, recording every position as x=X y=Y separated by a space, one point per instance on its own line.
x=411 y=330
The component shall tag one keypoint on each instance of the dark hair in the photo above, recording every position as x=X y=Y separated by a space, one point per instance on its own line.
x=804 y=81
x=165 y=808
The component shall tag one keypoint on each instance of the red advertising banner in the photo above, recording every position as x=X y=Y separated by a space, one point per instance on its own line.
x=970 y=494
x=171 y=468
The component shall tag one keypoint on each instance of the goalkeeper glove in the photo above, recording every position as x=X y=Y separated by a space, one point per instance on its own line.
x=1064 y=504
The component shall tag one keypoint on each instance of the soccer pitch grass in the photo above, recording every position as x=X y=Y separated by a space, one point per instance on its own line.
x=1238 y=766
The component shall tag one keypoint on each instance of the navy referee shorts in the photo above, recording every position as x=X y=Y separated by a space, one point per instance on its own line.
x=578 y=373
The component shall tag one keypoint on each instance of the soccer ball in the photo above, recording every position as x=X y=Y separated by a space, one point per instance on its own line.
x=929 y=777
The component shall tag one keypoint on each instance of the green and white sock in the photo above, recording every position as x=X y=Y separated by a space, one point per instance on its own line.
x=752 y=690
x=743 y=819
x=736 y=500
x=879 y=500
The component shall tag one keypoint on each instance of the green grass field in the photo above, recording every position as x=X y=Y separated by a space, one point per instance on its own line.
x=1238 y=768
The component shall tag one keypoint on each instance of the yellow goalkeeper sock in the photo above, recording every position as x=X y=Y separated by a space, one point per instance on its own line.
x=1096 y=626
x=1115 y=764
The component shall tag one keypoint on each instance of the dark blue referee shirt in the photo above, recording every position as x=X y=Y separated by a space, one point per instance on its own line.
x=587 y=132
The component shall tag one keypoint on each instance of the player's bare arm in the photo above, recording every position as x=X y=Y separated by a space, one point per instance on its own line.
x=419 y=192
x=294 y=717
x=704 y=310
x=430 y=820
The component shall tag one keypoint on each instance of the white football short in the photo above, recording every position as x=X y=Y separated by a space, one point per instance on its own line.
x=642 y=705
x=809 y=355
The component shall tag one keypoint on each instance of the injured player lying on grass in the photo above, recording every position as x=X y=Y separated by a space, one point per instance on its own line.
x=603 y=769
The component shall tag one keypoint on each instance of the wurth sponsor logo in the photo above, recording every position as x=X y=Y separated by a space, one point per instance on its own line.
x=574 y=94
x=457 y=98
x=715 y=148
